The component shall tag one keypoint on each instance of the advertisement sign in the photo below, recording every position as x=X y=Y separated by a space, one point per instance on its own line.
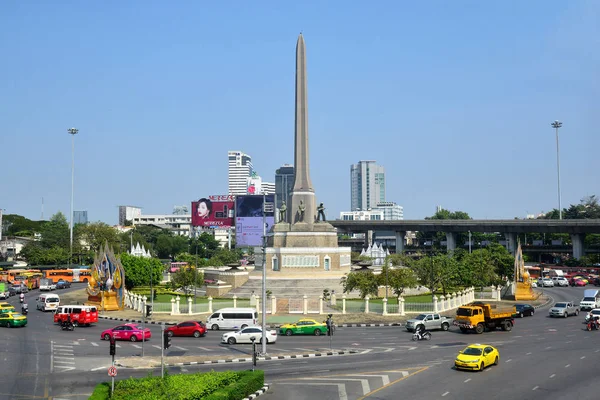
x=249 y=219
x=215 y=211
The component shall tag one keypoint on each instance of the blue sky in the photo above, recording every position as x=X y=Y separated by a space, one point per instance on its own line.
x=455 y=99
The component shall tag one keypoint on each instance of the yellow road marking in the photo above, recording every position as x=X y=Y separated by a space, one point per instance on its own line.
x=391 y=383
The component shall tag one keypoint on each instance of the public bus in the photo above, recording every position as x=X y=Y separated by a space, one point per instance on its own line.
x=176 y=266
x=70 y=275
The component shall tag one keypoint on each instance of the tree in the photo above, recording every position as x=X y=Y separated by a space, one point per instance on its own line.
x=363 y=281
x=438 y=271
x=164 y=245
x=17 y=225
x=224 y=257
x=480 y=263
x=186 y=279
x=139 y=270
x=55 y=232
x=96 y=234
x=398 y=279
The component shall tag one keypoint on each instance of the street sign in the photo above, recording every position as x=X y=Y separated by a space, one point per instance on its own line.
x=112 y=371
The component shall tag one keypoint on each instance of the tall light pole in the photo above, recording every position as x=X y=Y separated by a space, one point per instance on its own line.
x=72 y=132
x=264 y=276
x=556 y=125
x=469 y=242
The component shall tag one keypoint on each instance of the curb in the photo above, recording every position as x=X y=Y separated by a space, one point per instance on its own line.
x=139 y=321
x=258 y=392
x=367 y=325
x=550 y=300
x=241 y=360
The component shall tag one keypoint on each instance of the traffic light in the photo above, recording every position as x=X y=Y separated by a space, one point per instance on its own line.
x=113 y=346
x=148 y=310
x=166 y=340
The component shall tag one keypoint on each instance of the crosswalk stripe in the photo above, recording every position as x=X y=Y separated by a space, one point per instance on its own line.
x=76 y=343
x=180 y=348
x=158 y=347
x=137 y=346
x=205 y=348
x=94 y=344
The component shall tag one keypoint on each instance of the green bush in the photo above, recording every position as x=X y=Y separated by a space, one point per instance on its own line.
x=233 y=384
x=101 y=392
x=247 y=383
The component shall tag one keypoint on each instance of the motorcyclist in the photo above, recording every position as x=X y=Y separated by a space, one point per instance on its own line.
x=22 y=297
x=24 y=308
x=421 y=331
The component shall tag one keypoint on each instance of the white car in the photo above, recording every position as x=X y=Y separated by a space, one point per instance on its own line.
x=245 y=336
x=560 y=281
x=594 y=313
x=546 y=282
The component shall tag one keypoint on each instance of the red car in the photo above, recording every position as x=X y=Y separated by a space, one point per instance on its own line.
x=187 y=328
x=131 y=332
x=578 y=282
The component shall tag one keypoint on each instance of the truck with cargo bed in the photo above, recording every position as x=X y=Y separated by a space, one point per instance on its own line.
x=477 y=317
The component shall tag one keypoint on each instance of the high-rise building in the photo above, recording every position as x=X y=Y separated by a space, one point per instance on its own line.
x=367 y=185
x=391 y=210
x=255 y=185
x=284 y=184
x=80 y=217
x=240 y=169
x=128 y=213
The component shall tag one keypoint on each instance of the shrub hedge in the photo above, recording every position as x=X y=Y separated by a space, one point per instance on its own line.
x=227 y=385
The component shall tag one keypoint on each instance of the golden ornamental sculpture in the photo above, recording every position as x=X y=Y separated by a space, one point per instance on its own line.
x=105 y=288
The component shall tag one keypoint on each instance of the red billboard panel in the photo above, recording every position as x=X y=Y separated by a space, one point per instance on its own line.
x=214 y=211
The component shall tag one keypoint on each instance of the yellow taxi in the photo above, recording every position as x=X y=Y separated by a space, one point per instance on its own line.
x=476 y=357
x=304 y=327
x=6 y=308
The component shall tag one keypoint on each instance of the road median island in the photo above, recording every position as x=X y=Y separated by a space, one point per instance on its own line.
x=201 y=385
x=154 y=362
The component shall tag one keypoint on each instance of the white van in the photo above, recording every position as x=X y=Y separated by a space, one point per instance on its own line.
x=591 y=299
x=232 y=318
x=47 y=301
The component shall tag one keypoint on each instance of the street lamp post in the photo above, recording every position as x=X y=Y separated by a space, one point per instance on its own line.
x=264 y=277
x=196 y=274
x=469 y=242
x=556 y=125
x=72 y=132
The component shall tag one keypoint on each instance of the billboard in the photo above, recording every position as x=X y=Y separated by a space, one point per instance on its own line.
x=215 y=211
x=249 y=219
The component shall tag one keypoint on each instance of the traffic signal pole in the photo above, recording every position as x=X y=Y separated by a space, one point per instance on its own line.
x=162 y=352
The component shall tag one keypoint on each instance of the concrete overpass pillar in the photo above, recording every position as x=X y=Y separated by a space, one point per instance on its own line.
x=450 y=241
x=400 y=241
x=577 y=240
x=511 y=243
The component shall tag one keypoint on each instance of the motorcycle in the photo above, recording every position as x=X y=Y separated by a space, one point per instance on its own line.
x=421 y=336
x=22 y=299
x=24 y=309
x=593 y=325
x=67 y=326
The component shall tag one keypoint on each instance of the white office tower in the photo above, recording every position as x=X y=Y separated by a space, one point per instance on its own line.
x=367 y=185
x=240 y=169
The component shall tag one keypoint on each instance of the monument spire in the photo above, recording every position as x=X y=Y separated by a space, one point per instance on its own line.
x=303 y=194
x=301 y=163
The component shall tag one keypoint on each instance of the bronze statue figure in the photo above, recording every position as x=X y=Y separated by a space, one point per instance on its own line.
x=282 y=212
x=301 y=209
x=321 y=213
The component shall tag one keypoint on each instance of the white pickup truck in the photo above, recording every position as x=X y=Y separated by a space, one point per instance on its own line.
x=430 y=321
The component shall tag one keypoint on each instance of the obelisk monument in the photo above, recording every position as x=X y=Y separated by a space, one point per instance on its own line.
x=303 y=190
x=301 y=242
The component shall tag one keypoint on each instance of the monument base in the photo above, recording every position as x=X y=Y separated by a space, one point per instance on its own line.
x=523 y=291
x=110 y=302
x=308 y=259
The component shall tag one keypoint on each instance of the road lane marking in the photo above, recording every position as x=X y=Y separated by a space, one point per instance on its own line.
x=94 y=344
x=158 y=347
x=384 y=378
x=445 y=394
x=98 y=369
x=582 y=357
x=528 y=354
x=366 y=351
x=341 y=387
x=535 y=388
x=51 y=356
x=137 y=346
x=548 y=348
x=509 y=360
x=567 y=366
x=569 y=341
x=552 y=376
x=366 y=388
x=180 y=348
x=205 y=348
x=596 y=351
x=467 y=380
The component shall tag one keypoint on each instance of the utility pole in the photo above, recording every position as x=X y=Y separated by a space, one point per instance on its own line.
x=264 y=277
x=556 y=125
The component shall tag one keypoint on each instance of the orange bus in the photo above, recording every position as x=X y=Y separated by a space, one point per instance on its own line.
x=69 y=275
x=30 y=278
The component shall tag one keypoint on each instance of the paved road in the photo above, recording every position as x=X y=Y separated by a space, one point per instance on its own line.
x=540 y=356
